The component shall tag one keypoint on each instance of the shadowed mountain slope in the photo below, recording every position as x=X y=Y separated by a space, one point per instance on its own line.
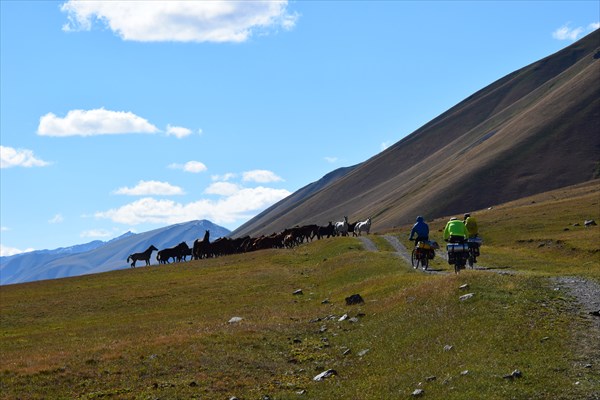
x=531 y=131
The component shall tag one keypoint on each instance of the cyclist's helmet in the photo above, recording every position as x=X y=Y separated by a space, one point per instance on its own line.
x=420 y=219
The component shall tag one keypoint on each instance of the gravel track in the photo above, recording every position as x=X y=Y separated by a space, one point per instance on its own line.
x=585 y=292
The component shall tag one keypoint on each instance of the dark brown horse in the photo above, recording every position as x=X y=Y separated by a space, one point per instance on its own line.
x=177 y=253
x=144 y=256
x=201 y=248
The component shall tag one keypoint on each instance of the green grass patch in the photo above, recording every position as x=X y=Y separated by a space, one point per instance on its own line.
x=164 y=332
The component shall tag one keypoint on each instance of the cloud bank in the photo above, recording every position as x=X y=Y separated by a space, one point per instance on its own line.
x=94 y=122
x=237 y=205
x=565 y=32
x=190 y=166
x=260 y=176
x=178 y=131
x=149 y=188
x=10 y=157
x=180 y=21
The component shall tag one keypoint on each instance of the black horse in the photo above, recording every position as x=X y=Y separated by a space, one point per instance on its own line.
x=177 y=253
x=145 y=256
x=201 y=248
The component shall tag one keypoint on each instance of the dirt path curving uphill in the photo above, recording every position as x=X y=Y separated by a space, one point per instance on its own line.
x=585 y=293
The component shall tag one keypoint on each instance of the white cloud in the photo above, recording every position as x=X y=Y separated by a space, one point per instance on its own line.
x=190 y=166
x=224 y=177
x=4 y=228
x=10 y=157
x=180 y=21
x=331 y=160
x=593 y=26
x=149 y=188
x=178 y=131
x=243 y=204
x=57 y=219
x=6 y=251
x=385 y=145
x=260 y=176
x=96 y=233
x=223 y=188
x=94 y=122
x=567 y=33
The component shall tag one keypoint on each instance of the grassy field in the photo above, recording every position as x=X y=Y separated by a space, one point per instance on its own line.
x=164 y=332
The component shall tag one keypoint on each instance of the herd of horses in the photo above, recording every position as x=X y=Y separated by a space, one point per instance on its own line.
x=288 y=238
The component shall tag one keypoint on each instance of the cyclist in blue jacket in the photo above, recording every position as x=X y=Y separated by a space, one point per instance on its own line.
x=421 y=229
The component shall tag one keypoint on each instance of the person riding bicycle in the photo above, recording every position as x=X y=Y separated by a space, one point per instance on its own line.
x=455 y=231
x=472 y=233
x=421 y=229
x=471 y=225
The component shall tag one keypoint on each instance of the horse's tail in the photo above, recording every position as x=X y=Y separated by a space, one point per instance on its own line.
x=128 y=258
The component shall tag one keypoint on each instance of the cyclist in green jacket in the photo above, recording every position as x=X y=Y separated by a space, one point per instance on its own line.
x=471 y=225
x=455 y=231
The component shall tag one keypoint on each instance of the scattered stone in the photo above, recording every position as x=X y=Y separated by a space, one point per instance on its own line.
x=577 y=224
x=343 y=317
x=447 y=347
x=297 y=292
x=465 y=372
x=193 y=384
x=301 y=392
x=544 y=338
x=431 y=378
x=589 y=222
x=354 y=299
x=515 y=374
x=363 y=352
x=466 y=296
x=233 y=398
x=323 y=329
x=325 y=374
x=326 y=301
x=587 y=366
x=418 y=392
x=346 y=352
x=464 y=287
x=235 y=320
x=595 y=313
x=353 y=320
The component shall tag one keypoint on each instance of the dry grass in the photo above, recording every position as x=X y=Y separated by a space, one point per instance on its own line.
x=163 y=332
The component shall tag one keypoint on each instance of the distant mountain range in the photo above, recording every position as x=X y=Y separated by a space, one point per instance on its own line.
x=532 y=131
x=99 y=256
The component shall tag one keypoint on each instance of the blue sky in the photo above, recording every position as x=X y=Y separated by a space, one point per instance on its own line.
x=120 y=116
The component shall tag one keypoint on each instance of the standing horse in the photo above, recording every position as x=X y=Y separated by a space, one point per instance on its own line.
x=364 y=226
x=201 y=248
x=177 y=253
x=341 y=227
x=145 y=256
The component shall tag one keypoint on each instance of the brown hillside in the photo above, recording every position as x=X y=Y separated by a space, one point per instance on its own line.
x=534 y=130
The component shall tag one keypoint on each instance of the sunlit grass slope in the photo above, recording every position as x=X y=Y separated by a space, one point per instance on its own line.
x=164 y=332
x=542 y=234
